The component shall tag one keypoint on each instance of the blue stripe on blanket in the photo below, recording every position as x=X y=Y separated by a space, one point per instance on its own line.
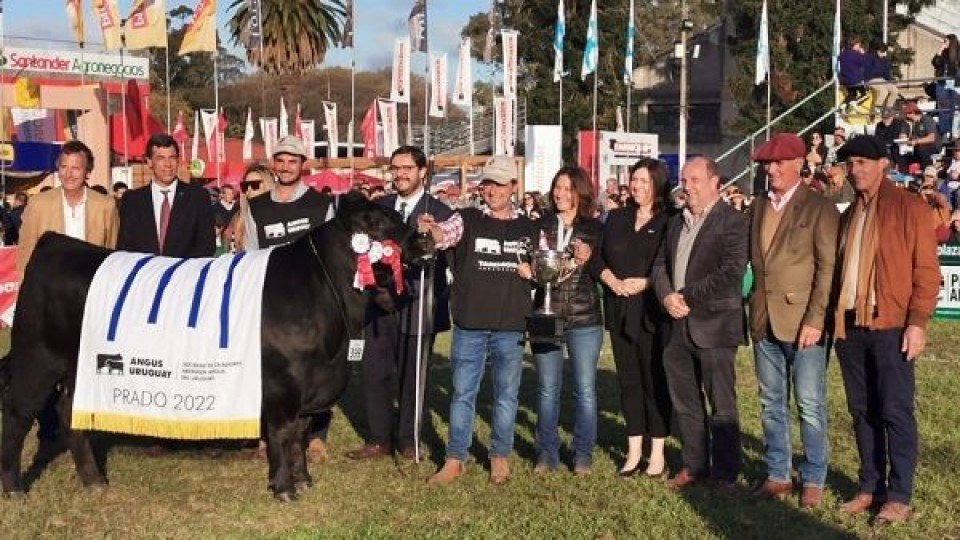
x=225 y=302
x=198 y=294
x=118 y=305
x=161 y=287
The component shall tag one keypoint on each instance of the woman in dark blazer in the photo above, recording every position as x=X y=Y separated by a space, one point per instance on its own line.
x=631 y=237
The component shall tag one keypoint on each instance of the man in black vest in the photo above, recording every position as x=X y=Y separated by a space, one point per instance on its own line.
x=283 y=214
x=392 y=337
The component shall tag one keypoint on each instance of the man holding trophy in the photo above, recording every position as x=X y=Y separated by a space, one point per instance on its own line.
x=489 y=304
x=569 y=313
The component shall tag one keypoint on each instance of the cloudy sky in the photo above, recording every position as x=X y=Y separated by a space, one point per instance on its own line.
x=43 y=24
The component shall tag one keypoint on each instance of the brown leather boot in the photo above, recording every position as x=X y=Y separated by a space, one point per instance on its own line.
x=451 y=470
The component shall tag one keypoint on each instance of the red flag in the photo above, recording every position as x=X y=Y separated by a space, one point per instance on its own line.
x=368 y=131
x=135 y=113
x=180 y=129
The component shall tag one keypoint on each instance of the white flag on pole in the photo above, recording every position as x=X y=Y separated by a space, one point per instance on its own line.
x=308 y=134
x=248 y=137
x=391 y=134
x=400 y=81
x=284 y=119
x=330 y=124
x=438 y=85
x=209 y=121
x=763 y=48
x=505 y=137
x=510 y=38
x=559 y=31
x=463 y=88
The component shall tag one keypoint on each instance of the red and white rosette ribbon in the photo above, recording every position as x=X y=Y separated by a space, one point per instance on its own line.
x=391 y=257
x=370 y=252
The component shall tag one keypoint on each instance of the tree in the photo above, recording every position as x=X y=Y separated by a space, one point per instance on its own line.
x=800 y=53
x=535 y=20
x=296 y=35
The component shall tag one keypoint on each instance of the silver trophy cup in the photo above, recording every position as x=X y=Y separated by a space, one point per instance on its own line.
x=548 y=265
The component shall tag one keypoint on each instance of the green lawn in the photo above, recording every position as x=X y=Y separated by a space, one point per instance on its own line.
x=192 y=495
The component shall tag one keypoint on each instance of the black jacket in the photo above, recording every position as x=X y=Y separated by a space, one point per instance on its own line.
x=189 y=234
x=575 y=299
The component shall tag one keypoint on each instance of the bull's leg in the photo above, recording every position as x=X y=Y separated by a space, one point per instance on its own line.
x=80 y=448
x=298 y=454
x=16 y=425
x=280 y=437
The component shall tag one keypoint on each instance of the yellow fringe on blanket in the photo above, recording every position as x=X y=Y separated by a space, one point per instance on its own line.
x=244 y=428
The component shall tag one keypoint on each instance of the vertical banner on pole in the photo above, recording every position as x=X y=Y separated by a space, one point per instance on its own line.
x=543 y=157
x=463 y=87
x=195 y=144
x=438 y=85
x=503 y=120
x=391 y=135
x=209 y=121
x=308 y=134
x=248 y=136
x=510 y=38
x=400 y=81
x=330 y=124
x=268 y=131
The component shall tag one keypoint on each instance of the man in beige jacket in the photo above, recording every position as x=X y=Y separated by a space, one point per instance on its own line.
x=76 y=211
x=793 y=242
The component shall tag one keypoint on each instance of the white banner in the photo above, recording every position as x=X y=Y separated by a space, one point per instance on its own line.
x=268 y=132
x=510 y=38
x=400 y=81
x=195 y=145
x=19 y=59
x=505 y=138
x=35 y=125
x=308 y=134
x=248 y=137
x=209 y=121
x=463 y=87
x=438 y=85
x=330 y=124
x=625 y=149
x=284 y=119
x=391 y=134
x=543 y=157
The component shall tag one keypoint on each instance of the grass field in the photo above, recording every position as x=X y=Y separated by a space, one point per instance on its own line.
x=190 y=494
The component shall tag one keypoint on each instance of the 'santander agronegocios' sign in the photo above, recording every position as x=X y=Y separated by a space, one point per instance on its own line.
x=74 y=63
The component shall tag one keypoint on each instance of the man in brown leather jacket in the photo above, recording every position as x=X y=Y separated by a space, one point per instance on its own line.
x=887 y=286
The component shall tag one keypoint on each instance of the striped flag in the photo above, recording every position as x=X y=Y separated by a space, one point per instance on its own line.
x=559 y=31
x=591 y=51
x=763 y=48
x=628 y=61
x=201 y=35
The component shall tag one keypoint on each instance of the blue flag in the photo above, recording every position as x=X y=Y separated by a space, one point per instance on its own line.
x=628 y=63
x=591 y=51
x=559 y=31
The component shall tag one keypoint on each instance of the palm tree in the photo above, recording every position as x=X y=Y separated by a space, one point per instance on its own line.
x=296 y=33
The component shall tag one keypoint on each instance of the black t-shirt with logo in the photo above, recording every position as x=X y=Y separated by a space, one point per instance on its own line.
x=280 y=223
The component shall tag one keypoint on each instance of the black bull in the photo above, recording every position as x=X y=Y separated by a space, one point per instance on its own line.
x=310 y=310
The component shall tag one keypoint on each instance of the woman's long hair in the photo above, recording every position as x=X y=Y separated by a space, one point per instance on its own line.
x=658 y=176
x=582 y=189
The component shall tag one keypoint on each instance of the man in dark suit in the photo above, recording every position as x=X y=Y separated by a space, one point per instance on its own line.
x=392 y=336
x=168 y=216
x=698 y=278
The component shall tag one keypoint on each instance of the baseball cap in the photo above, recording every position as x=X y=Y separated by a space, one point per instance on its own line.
x=290 y=145
x=499 y=169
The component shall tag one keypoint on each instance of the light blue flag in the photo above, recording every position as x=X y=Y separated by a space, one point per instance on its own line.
x=591 y=51
x=628 y=65
x=836 y=43
x=559 y=31
x=763 y=48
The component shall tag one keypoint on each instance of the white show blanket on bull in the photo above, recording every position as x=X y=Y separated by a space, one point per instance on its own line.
x=171 y=347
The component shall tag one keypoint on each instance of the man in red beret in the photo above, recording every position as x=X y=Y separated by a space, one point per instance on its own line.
x=792 y=249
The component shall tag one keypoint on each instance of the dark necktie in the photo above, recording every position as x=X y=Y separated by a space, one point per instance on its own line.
x=403 y=210
x=164 y=218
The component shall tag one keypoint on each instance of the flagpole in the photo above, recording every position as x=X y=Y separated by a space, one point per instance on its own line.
x=596 y=163
x=629 y=107
x=353 y=104
x=561 y=102
x=6 y=135
x=123 y=93
x=216 y=112
x=426 y=83
x=167 y=83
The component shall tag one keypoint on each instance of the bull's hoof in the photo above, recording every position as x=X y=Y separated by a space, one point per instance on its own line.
x=303 y=485
x=286 y=496
x=15 y=495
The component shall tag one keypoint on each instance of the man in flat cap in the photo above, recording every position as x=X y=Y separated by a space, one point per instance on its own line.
x=889 y=279
x=793 y=239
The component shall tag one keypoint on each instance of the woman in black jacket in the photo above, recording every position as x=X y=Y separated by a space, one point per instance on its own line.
x=573 y=229
x=631 y=237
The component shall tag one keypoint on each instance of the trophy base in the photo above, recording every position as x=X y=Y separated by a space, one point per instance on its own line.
x=545 y=328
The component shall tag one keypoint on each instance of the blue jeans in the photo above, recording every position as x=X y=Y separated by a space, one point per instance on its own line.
x=781 y=366
x=468 y=355
x=583 y=345
x=947 y=100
